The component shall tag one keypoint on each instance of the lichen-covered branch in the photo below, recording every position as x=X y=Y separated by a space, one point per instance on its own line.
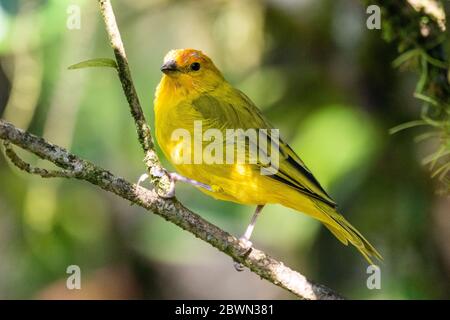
x=143 y=130
x=170 y=209
x=21 y=164
x=115 y=40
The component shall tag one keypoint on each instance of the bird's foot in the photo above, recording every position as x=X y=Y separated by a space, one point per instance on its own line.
x=173 y=178
x=170 y=192
x=141 y=179
x=247 y=244
x=159 y=173
x=239 y=267
x=156 y=172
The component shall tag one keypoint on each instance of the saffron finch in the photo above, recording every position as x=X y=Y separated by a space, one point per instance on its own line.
x=193 y=95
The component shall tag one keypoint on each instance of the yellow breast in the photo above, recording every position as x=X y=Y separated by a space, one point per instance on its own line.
x=173 y=111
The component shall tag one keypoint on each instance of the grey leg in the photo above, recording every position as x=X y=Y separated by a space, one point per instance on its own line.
x=245 y=239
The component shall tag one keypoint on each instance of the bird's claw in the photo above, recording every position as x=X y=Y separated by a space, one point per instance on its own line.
x=171 y=192
x=173 y=178
x=141 y=179
x=160 y=172
x=247 y=244
x=239 y=267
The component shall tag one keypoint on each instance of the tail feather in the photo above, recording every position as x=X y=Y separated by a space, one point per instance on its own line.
x=345 y=232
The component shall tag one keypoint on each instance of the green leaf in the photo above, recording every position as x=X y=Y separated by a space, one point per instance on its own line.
x=99 y=62
x=436 y=62
x=408 y=55
x=407 y=125
x=425 y=98
x=433 y=158
x=442 y=170
x=426 y=136
x=423 y=75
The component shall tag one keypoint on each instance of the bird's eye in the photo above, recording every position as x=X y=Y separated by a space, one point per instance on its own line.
x=195 y=66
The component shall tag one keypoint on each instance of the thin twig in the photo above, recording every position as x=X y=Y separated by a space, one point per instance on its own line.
x=22 y=165
x=143 y=130
x=172 y=210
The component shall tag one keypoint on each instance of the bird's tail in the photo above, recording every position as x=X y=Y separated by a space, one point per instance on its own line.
x=345 y=232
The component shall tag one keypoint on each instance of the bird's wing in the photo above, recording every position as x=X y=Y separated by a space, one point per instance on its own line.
x=235 y=110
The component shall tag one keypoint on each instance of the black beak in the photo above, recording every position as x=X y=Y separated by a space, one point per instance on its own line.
x=169 y=66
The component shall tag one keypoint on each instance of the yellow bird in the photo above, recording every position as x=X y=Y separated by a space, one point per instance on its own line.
x=193 y=99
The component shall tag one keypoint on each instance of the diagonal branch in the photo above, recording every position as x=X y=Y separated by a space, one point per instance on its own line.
x=143 y=130
x=22 y=165
x=171 y=210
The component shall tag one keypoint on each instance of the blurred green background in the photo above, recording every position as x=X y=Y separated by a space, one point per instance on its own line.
x=317 y=73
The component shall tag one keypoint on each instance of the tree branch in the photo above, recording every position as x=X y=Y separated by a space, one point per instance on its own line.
x=171 y=210
x=22 y=165
x=143 y=130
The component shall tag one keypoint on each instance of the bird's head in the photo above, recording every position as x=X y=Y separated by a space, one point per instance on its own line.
x=191 y=69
